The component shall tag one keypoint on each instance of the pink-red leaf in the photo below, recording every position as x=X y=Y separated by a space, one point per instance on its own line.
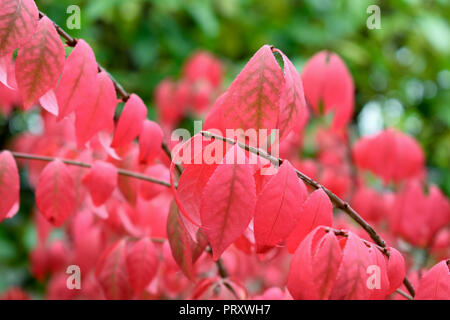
x=395 y=269
x=278 y=207
x=112 y=272
x=327 y=81
x=149 y=190
x=314 y=266
x=326 y=261
x=9 y=185
x=191 y=185
x=130 y=122
x=317 y=210
x=253 y=99
x=228 y=202
x=142 y=264
x=180 y=242
x=55 y=193
x=293 y=104
x=351 y=281
x=98 y=114
x=150 y=141
x=39 y=63
x=101 y=180
x=77 y=83
x=49 y=102
x=18 y=20
x=435 y=284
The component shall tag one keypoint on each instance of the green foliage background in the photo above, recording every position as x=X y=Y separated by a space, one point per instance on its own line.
x=401 y=72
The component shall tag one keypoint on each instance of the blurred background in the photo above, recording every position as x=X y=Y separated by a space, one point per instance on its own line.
x=401 y=71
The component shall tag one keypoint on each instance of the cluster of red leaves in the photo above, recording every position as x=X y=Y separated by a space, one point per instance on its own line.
x=135 y=239
x=195 y=91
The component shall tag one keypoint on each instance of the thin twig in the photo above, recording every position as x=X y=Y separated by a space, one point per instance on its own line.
x=87 y=165
x=404 y=294
x=338 y=202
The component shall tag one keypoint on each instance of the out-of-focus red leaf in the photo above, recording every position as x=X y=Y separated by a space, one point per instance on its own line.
x=101 y=180
x=9 y=186
x=142 y=264
x=55 y=193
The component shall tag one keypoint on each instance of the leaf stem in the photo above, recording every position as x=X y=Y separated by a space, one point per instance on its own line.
x=122 y=172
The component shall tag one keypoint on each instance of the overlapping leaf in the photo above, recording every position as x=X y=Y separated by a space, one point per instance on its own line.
x=228 y=202
x=142 y=264
x=55 y=193
x=18 y=21
x=278 y=207
x=101 y=180
x=130 y=122
x=112 y=272
x=39 y=63
x=97 y=114
x=317 y=210
x=9 y=186
x=77 y=84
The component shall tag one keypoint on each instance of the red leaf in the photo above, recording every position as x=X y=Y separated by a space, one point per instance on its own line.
x=39 y=63
x=309 y=276
x=352 y=276
x=435 y=284
x=395 y=269
x=203 y=66
x=18 y=21
x=180 y=242
x=191 y=185
x=379 y=279
x=129 y=186
x=98 y=114
x=142 y=264
x=55 y=193
x=278 y=207
x=228 y=202
x=253 y=99
x=149 y=190
x=150 y=141
x=112 y=273
x=77 y=84
x=317 y=210
x=49 y=102
x=326 y=261
x=391 y=155
x=293 y=104
x=9 y=185
x=101 y=180
x=130 y=122
x=327 y=80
